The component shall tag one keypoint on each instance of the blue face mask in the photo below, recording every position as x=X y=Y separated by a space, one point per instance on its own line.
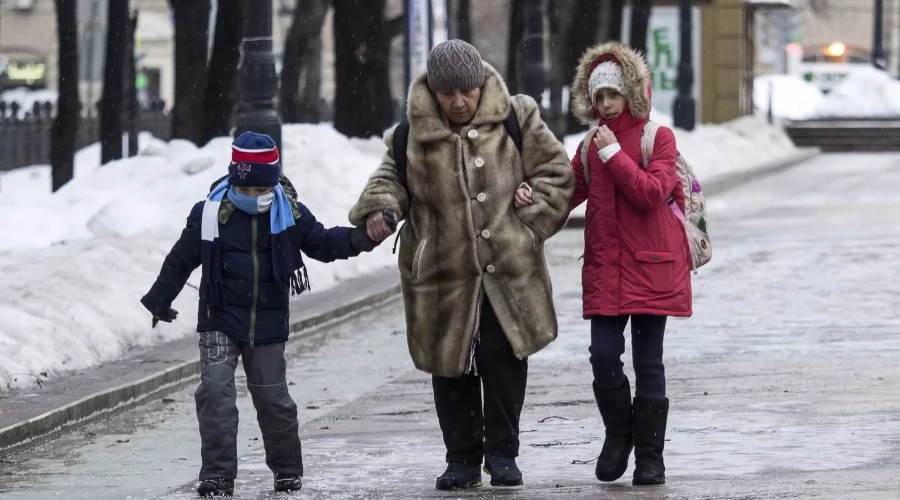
x=253 y=205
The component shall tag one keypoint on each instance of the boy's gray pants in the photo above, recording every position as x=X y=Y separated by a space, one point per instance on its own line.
x=218 y=415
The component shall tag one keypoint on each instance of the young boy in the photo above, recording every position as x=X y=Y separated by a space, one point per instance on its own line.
x=247 y=236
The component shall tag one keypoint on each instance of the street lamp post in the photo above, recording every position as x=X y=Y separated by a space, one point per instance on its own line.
x=258 y=78
x=878 y=55
x=685 y=108
x=533 y=50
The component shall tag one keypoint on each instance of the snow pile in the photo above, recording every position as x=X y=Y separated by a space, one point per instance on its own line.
x=793 y=98
x=867 y=92
x=717 y=150
x=74 y=264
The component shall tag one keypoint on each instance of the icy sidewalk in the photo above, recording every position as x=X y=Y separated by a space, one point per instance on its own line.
x=782 y=384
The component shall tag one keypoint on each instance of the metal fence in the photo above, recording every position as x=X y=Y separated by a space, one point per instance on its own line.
x=25 y=134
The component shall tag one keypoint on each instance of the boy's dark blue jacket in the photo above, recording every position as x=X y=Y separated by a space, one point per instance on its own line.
x=256 y=308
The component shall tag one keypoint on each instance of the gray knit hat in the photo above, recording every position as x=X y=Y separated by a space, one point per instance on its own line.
x=454 y=64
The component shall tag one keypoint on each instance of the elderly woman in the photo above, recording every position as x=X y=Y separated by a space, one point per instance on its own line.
x=475 y=285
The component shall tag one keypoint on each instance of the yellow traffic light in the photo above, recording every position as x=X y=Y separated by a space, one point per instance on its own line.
x=836 y=49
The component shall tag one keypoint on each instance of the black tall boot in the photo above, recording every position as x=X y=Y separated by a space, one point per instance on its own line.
x=615 y=408
x=650 y=417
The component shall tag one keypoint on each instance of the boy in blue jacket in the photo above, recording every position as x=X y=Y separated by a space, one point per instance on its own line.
x=247 y=236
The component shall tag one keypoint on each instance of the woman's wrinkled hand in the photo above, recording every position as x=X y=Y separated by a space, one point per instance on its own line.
x=377 y=228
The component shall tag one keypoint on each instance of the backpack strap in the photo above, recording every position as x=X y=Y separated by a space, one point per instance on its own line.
x=585 y=146
x=511 y=124
x=648 y=141
x=400 y=141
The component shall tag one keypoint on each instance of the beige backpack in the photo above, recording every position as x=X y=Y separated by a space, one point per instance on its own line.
x=694 y=216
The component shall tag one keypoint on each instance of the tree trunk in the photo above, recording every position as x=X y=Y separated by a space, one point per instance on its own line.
x=65 y=128
x=362 y=101
x=311 y=90
x=557 y=77
x=615 y=19
x=581 y=34
x=114 y=82
x=300 y=47
x=460 y=17
x=191 y=52
x=221 y=93
x=131 y=103
x=516 y=33
x=640 y=20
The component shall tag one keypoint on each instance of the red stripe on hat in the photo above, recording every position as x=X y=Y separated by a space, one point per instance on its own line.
x=238 y=156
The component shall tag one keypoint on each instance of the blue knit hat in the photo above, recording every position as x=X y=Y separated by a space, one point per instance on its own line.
x=254 y=161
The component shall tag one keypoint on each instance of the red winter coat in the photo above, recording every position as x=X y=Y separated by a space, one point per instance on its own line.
x=636 y=255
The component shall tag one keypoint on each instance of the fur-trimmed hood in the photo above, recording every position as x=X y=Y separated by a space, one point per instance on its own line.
x=634 y=70
x=426 y=120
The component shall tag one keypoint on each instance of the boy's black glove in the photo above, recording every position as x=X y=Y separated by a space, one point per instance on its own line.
x=165 y=314
x=360 y=240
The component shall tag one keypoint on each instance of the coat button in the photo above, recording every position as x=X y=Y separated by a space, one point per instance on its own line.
x=491 y=268
x=479 y=162
x=655 y=257
x=486 y=234
x=473 y=134
x=481 y=197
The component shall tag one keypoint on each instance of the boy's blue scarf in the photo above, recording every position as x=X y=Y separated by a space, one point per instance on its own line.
x=285 y=244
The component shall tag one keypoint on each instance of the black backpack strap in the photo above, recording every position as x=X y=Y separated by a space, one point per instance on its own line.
x=511 y=124
x=400 y=142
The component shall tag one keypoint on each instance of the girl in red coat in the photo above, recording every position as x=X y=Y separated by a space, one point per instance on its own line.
x=636 y=255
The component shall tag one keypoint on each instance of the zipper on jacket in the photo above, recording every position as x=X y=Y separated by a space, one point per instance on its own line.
x=253 y=243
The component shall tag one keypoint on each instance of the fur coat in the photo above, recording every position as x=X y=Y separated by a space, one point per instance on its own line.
x=463 y=235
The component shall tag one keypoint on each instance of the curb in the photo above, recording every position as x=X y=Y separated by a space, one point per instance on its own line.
x=115 y=400
x=736 y=179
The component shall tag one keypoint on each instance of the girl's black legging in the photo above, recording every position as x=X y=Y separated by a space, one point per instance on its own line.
x=608 y=345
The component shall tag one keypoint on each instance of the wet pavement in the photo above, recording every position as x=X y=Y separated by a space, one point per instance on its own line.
x=784 y=384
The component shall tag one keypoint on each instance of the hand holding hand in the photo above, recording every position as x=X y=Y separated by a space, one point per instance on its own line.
x=604 y=137
x=377 y=227
x=523 y=197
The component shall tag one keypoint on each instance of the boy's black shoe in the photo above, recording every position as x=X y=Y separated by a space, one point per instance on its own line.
x=216 y=488
x=459 y=476
x=287 y=482
x=503 y=471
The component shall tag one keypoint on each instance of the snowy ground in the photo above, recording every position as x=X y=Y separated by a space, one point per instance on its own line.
x=783 y=384
x=75 y=263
